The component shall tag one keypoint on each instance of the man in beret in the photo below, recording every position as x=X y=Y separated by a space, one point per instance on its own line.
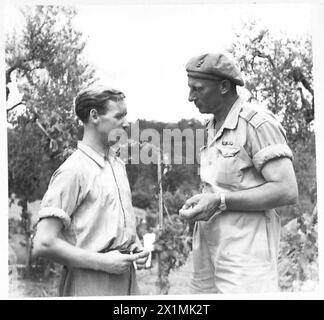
x=246 y=172
x=86 y=220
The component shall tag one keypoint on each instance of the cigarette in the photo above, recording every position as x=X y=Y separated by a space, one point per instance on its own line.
x=134 y=263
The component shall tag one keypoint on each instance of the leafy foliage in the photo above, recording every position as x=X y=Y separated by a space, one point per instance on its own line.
x=271 y=66
x=141 y=199
x=173 y=244
x=299 y=252
x=46 y=57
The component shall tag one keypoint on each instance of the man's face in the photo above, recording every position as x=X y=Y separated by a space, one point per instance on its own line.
x=205 y=94
x=113 y=119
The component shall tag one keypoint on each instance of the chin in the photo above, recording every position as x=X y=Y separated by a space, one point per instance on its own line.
x=201 y=110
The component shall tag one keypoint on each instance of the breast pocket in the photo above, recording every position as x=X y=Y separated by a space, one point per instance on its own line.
x=224 y=165
x=228 y=165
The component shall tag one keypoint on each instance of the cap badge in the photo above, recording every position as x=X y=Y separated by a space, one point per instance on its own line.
x=200 y=62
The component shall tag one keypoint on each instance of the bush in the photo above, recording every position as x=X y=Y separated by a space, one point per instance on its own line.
x=141 y=199
x=174 y=201
x=299 y=252
x=173 y=243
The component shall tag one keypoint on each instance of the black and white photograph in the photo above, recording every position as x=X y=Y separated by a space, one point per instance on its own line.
x=163 y=148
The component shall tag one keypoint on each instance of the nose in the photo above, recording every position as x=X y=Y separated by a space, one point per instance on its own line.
x=191 y=96
x=125 y=124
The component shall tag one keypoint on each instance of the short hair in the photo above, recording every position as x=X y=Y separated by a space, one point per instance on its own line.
x=233 y=87
x=95 y=97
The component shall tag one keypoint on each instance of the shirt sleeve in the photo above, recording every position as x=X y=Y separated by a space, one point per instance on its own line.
x=268 y=142
x=62 y=196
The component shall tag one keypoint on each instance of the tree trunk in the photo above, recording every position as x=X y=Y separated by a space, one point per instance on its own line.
x=163 y=278
x=26 y=226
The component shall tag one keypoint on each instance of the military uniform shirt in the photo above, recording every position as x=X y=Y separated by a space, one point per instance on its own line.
x=236 y=251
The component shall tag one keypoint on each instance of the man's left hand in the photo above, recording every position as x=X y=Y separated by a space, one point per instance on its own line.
x=140 y=262
x=200 y=207
x=136 y=248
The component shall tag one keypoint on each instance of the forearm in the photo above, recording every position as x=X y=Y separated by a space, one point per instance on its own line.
x=64 y=253
x=267 y=196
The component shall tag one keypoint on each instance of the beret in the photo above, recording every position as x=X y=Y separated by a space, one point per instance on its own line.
x=214 y=66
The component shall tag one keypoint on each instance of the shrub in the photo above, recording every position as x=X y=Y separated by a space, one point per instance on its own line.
x=141 y=199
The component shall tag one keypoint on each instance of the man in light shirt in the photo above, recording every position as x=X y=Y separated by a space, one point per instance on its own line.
x=86 y=220
x=246 y=170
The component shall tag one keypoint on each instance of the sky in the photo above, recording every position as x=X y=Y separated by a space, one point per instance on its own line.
x=142 y=49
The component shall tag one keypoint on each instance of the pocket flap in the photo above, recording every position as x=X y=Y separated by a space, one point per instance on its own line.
x=228 y=151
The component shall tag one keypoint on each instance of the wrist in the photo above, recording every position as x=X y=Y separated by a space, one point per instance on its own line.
x=222 y=206
x=99 y=261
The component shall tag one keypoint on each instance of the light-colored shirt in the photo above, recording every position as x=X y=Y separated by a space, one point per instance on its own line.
x=244 y=243
x=90 y=194
x=235 y=155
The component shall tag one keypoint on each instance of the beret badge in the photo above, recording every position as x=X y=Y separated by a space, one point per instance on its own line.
x=200 y=62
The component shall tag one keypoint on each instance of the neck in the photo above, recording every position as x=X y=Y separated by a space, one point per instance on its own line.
x=222 y=112
x=94 y=140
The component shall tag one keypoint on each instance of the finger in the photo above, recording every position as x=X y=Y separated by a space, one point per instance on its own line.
x=193 y=200
x=133 y=247
x=191 y=212
x=136 y=247
x=136 y=256
x=142 y=254
x=199 y=217
x=138 y=250
x=141 y=261
x=130 y=257
x=133 y=259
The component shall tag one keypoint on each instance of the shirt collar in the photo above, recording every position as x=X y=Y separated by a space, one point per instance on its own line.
x=99 y=158
x=231 y=119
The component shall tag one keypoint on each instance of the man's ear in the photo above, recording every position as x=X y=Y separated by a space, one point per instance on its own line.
x=93 y=115
x=225 y=86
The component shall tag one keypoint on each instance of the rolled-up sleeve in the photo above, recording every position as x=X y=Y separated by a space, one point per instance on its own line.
x=62 y=196
x=268 y=142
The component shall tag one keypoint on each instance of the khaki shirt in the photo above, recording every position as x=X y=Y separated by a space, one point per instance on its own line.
x=90 y=194
x=242 y=242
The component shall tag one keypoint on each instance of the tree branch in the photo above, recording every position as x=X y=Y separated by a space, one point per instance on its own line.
x=8 y=79
x=16 y=105
x=8 y=73
x=266 y=56
x=43 y=129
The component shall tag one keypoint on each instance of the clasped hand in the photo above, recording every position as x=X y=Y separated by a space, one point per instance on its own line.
x=117 y=262
x=200 y=207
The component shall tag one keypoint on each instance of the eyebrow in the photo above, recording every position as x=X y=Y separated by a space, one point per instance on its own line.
x=194 y=86
x=123 y=113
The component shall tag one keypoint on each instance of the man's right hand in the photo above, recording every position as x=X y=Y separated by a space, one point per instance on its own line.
x=201 y=207
x=118 y=263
